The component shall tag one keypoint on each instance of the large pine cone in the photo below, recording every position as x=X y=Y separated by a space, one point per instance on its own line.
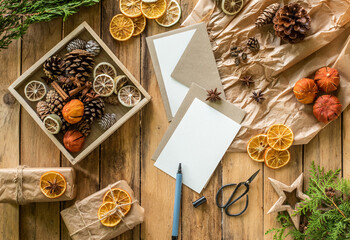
x=55 y=102
x=267 y=15
x=291 y=23
x=43 y=110
x=79 y=63
x=84 y=127
x=53 y=67
x=93 y=109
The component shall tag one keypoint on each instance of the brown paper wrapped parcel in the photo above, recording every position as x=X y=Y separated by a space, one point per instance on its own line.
x=278 y=65
x=82 y=220
x=22 y=185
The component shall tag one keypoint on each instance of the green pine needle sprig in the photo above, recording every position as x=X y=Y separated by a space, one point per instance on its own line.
x=16 y=16
x=326 y=217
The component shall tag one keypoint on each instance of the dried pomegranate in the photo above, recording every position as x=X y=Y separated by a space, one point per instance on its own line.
x=327 y=108
x=327 y=79
x=73 y=140
x=73 y=111
x=305 y=90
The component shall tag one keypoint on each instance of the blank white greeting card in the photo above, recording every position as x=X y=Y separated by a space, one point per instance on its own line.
x=199 y=141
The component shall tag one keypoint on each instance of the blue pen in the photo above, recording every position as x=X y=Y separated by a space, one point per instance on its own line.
x=177 y=203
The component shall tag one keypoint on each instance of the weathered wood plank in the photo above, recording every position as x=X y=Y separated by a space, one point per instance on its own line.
x=88 y=177
x=157 y=188
x=39 y=220
x=120 y=153
x=238 y=167
x=286 y=175
x=345 y=143
x=9 y=134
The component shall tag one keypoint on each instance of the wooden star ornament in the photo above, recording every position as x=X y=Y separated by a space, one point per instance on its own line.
x=284 y=203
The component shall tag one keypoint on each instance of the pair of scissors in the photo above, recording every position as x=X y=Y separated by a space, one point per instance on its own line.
x=232 y=200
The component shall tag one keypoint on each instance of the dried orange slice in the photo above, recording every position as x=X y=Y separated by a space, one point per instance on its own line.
x=231 y=7
x=171 y=16
x=107 y=215
x=256 y=147
x=120 y=197
x=276 y=159
x=139 y=24
x=280 y=137
x=105 y=68
x=130 y=8
x=120 y=81
x=53 y=123
x=34 y=91
x=129 y=96
x=121 y=27
x=53 y=184
x=104 y=85
x=153 y=10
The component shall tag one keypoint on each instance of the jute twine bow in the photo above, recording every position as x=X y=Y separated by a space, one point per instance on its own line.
x=115 y=210
x=18 y=180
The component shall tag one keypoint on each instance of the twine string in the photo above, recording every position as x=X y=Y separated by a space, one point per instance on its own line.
x=18 y=180
x=115 y=210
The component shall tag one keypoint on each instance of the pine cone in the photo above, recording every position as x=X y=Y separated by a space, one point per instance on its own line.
x=93 y=47
x=111 y=100
x=76 y=44
x=93 y=109
x=267 y=15
x=291 y=23
x=53 y=67
x=65 y=126
x=55 y=102
x=84 y=127
x=330 y=192
x=43 y=110
x=253 y=44
x=79 y=64
x=107 y=121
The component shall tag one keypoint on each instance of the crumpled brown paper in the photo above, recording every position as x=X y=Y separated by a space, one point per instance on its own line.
x=82 y=221
x=278 y=65
x=22 y=185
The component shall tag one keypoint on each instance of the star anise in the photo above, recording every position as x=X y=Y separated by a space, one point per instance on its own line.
x=53 y=187
x=246 y=80
x=213 y=95
x=258 y=96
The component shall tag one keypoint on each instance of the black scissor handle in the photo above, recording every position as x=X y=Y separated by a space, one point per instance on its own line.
x=230 y=201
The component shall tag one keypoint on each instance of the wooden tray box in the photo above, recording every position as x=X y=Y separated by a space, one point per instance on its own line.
x=97 y=136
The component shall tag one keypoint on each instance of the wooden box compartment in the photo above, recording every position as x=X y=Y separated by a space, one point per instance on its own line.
x=97 y=135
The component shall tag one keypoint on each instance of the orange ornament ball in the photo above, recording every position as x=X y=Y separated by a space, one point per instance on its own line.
x=73 y=111
x=327 y=108
x=305 y=90
x=327 y=79
x=73 y=140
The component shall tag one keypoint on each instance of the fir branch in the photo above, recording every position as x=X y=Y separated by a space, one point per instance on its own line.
x=16 y=16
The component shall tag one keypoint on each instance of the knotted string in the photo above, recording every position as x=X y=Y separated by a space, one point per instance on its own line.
x=115 y=210
x=18 y=180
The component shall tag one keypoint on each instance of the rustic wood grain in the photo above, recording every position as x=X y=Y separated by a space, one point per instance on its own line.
x=286 y=175
x=39 y=220
x=120 y=153
x=238 y=167
x=345 y=143
x=9 y=138
x=88 y=170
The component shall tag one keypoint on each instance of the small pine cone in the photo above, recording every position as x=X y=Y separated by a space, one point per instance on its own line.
x=253 y=44
x=65 y=126
x=84 y=127
x=79 y=64
x=330 y=192
x=291 y=23
x=76 y=44
x=267 y=15
x=43 y=110
x=111 y=100
x=107 y=120
x=93 y=47
x=53 y=67
x=55 y=102
x=93 y=109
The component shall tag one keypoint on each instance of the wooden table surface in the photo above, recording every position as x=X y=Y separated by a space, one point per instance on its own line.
x=127 y=153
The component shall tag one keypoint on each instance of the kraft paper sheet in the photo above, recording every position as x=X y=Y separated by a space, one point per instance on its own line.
x=278 y=65
x=87 y=214
x=31 y=192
